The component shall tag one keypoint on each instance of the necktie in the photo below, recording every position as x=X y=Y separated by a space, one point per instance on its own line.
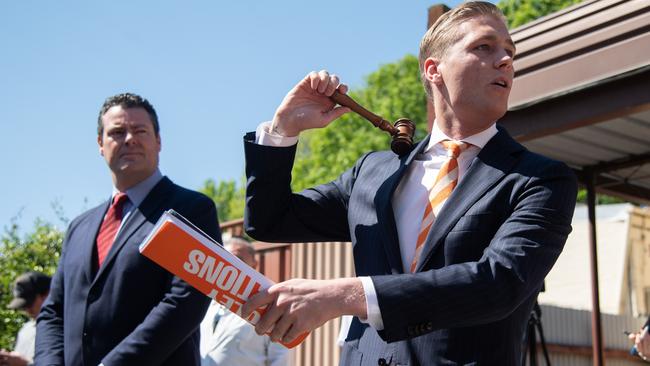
x=445 y=183
x=109 y=227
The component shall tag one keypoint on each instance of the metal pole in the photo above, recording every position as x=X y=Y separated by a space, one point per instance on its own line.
x=596 y=327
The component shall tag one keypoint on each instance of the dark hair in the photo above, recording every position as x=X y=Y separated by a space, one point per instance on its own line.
x=127 y=100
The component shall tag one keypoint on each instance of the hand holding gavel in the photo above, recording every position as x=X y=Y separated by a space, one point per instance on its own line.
x=402 y=132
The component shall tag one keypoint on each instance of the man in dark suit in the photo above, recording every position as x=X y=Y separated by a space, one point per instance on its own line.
x=108 y=304
x=451 y=242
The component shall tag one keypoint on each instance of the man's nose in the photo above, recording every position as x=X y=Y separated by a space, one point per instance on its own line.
x=129 y=137
x=504 y=60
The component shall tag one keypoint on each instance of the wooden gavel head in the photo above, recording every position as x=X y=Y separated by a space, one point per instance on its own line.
x=402 y=132
x=402 y=140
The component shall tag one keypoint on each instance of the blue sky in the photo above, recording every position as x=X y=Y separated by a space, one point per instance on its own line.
x=212 y=69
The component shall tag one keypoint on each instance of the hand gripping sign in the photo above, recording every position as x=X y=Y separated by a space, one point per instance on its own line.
x=184 y=250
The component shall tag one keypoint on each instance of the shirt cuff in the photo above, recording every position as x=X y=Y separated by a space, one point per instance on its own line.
x=372 y=304
x=263 y=136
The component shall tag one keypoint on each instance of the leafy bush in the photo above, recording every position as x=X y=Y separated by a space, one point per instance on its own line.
x=38 y=250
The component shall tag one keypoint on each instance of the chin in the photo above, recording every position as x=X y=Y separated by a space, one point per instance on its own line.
x=497 y=113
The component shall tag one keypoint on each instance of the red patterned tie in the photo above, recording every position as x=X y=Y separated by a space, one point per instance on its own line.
x=445 y=183
x=109 y=227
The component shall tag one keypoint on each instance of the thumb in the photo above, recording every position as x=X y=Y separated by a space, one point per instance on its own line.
x=335 y=113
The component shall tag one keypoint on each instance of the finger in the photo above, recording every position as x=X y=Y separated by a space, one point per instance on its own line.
x=324 y=77
x=333 y=84
x=267 y=322
x=292 y=334
x=314 y=80
x=280 y=328
x=343 y=89
x=256 y=301
x=335 y=113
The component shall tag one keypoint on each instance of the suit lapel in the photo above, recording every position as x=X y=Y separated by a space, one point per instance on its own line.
x=493 y=162
x=90 y=240
x=385 y=215
x=136 y=219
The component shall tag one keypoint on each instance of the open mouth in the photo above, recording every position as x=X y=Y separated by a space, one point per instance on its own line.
x=501 y=83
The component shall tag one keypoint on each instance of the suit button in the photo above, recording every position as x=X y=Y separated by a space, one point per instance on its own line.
x=381 y=362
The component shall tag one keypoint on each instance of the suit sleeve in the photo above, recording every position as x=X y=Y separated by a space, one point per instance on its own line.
x=49 y=326
x=511 y=269
x=275 y=214
x=178 y=314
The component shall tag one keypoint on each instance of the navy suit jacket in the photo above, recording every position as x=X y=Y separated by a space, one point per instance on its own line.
x=482 y=265
x=131 y=311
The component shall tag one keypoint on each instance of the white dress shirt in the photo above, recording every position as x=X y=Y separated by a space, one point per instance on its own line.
x=227 y=339
x=409 y=199
x=137 y=194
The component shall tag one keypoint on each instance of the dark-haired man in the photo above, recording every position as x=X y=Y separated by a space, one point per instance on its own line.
x=108 y=304
x=451 y=242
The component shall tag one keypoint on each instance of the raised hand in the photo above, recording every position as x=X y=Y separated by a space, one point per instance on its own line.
x=307 y=105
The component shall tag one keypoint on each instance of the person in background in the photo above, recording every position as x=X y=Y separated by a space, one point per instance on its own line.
x=641 y=342
x=227 y=339
x=30 y=290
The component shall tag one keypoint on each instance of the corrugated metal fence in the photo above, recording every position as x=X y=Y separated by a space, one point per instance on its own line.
x=568 y=336
x=321 y=261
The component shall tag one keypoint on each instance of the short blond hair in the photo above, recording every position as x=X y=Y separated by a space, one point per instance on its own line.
x=443 y=33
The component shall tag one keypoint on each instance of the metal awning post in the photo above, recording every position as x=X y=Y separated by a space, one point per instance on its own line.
x=596 y=328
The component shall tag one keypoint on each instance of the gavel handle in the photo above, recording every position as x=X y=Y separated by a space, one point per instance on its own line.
x=346 y=101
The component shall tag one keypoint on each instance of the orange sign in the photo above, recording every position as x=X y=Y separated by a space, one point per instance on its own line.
x=191 y=255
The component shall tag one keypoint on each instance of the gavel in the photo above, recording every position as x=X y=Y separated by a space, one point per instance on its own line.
x=402 y=132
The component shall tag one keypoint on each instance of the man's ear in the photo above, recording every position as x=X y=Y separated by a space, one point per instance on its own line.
x=100 y=142
x=431 y=70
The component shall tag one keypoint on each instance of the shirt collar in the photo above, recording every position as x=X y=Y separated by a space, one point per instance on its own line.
x=138 y=192
x=479 y=140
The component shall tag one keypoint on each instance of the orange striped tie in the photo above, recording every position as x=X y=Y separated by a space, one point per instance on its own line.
x=445 y=183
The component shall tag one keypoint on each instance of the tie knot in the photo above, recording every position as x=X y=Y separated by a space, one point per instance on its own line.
x=454 y=148
x=119 y=199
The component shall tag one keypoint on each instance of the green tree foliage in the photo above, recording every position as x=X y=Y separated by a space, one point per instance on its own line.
x=519 y=12
x=601 y=199
x=228 y=196
x=394 y=91
x=38 y=250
